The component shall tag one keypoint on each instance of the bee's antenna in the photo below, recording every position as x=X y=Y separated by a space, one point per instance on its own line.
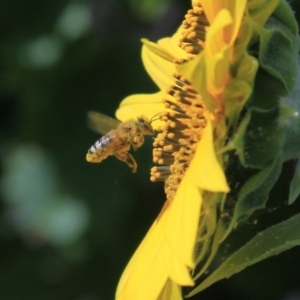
x=155 y=117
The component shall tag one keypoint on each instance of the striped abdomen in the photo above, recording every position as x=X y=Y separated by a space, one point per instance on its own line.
x=100 y=150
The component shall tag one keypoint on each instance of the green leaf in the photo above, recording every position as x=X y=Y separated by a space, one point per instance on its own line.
x=278 y=59
x=258 y=139
x=254 y=193
x=269 y=242
x=214 y=247
x=266 y=92
x=295 y=185
x=285 y=14
x=291 y=147
x=278 y=56
x=263 y=138
x=289 y=120
x=261 y=10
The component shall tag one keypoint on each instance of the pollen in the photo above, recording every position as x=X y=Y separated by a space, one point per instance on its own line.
x=175 y=145
x=194 y=30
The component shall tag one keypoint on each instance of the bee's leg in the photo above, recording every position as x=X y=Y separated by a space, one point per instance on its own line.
x=128 y=158
x=138 y=141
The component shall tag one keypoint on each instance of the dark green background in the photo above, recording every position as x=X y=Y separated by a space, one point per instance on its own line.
x=44 y=96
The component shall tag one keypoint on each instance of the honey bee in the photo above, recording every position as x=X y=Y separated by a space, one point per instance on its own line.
x=118 y=137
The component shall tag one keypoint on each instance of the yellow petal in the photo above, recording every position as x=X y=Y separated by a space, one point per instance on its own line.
x=156 y=49
x=206 y=171
x=195 y=71
x=177 y=270
x=143 y=104
x=218 y=72
x=145 y=275
x=171 y=45
x=215 y=33
x=261 y=10
x=158 y=64
x=130 y=266
x=183 y=218
x=171 y=291
x=158 y=58
x=236 y=8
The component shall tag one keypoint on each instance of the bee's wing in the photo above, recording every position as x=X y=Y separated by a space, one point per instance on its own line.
x=101 y=123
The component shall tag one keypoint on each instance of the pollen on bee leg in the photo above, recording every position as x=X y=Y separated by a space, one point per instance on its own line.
x=128 y=158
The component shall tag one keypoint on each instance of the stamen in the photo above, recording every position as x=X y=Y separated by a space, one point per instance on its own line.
x=173 y=106
x=194 y=31
x=162 y=157
x=160 y=173
x=175 y=145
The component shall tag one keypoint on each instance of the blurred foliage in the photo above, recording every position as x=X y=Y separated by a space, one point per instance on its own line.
x=67 y=227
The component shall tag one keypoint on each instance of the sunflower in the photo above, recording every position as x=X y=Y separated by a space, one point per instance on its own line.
x=205 y=74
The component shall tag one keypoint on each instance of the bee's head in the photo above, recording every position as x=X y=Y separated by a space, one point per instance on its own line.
x=145 y=125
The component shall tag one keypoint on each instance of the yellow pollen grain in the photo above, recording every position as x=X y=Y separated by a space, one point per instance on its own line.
x=172 y=124
x=194 y=31
x=175 y=145
x=169 y=148
x=155 y=160
x=161 y=162
x=171 y=135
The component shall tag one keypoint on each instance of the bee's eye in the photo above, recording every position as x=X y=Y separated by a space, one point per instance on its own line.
x=141 y=121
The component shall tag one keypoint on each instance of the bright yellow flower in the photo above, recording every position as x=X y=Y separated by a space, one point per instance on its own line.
x=167 y=250
x=147 y=104
x=210 y=64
